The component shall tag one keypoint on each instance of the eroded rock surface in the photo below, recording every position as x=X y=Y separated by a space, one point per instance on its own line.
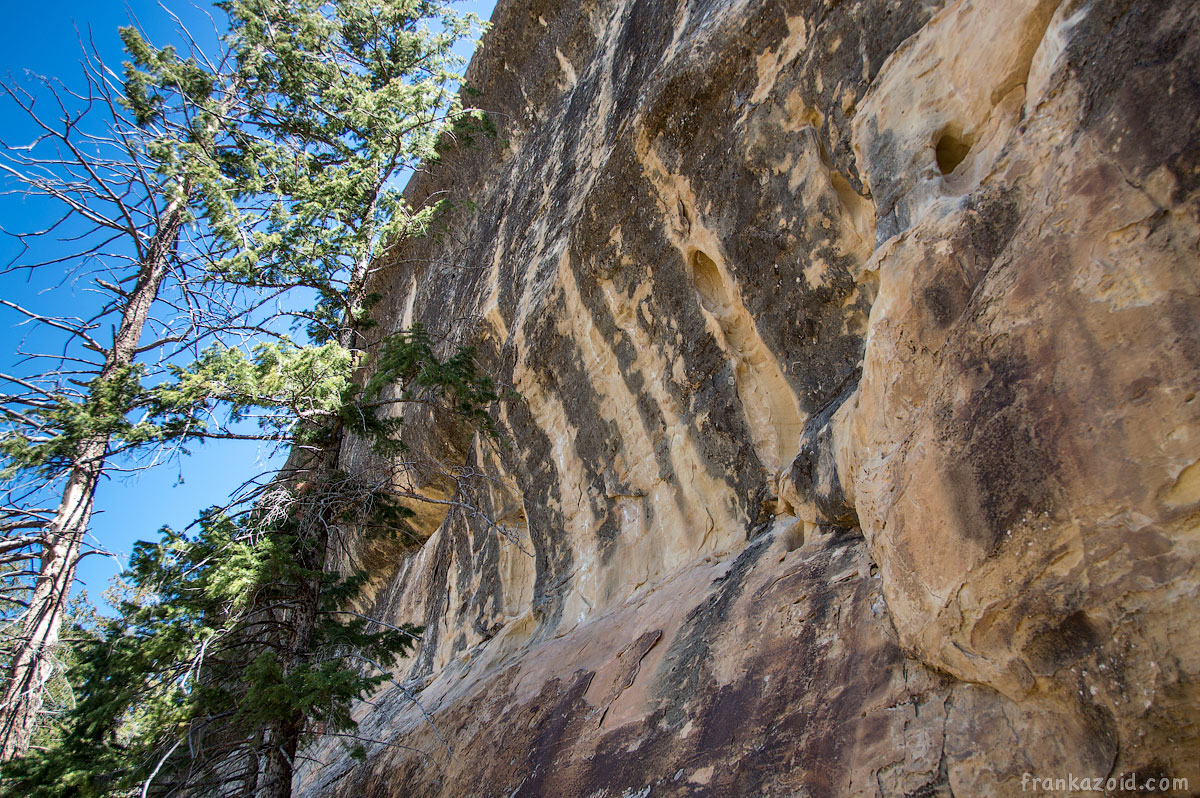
x=858 y=345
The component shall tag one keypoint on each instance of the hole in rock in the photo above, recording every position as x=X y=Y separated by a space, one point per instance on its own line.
x=951 y=148
x=709 y=285
x=795 y=534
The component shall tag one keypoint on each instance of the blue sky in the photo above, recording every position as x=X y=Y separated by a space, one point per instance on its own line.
x=44 y=37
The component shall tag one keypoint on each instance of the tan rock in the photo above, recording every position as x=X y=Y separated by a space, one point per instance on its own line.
x=857 y=453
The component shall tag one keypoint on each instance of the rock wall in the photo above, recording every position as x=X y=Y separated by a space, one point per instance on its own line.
x=858 y=449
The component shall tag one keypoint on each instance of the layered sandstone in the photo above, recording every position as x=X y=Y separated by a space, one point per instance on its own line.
x=858 y=449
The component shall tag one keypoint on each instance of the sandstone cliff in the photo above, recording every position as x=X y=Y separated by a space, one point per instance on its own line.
x=857 y=454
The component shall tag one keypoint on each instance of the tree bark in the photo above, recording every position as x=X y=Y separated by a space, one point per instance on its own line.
x=32 y=664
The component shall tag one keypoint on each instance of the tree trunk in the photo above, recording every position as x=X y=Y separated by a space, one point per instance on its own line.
x=282 y=737
x=32 y=664
x=275 y=776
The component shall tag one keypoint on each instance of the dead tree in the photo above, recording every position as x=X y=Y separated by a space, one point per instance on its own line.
x=124 y=161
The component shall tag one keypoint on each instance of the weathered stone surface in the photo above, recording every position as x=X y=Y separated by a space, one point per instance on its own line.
x=857 y=454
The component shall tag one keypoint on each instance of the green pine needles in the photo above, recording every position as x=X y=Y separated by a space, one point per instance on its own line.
x=239 y=642
x=183 y=687
x=191 y=664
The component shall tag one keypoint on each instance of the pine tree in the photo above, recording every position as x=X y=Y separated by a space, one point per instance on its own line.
x=341 y=99
x=194 y=684
x=127 y=160
x=349 y=95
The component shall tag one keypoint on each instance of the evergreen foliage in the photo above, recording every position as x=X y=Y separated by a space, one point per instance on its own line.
x=191 y=660
x=195 y=660
x=240 y=642
x=131 y=164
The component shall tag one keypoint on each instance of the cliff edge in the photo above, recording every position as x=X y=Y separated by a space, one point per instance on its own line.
x=858 y=447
